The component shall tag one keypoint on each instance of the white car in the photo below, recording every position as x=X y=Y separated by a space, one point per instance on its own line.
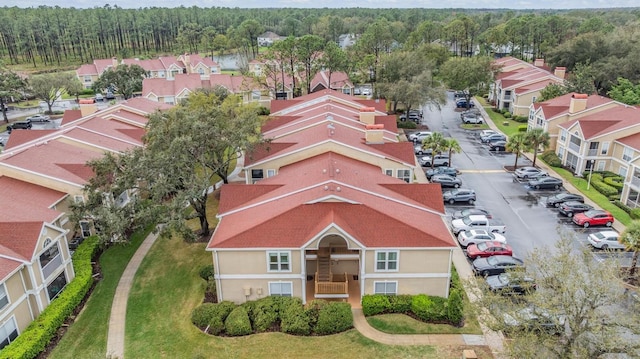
x=473 y=119
x=475 y=236
x=605 y=240
x=420 y=134
x=485 y=133
x=366 y=92
x=528 y=172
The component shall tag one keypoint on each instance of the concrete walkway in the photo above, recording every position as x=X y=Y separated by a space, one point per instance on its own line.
x=117 y=320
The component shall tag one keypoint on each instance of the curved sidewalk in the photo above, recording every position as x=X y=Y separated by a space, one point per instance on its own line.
x=117 y=319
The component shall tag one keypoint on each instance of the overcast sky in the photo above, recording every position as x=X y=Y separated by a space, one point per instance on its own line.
x=433 y=4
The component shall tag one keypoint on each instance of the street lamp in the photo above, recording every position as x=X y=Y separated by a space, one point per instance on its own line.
x=590 y=163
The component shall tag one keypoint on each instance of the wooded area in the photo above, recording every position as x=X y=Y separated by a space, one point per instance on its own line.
x=58 y=36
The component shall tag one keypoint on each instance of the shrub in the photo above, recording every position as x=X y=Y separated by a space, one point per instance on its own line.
x=238 y=323
x=600 y=186
x=635 y=213
x=551 y=158
x=215 y=325
x=400 y=303
x=312 y=310
x=429 y=309
x=455 y=307
x=606 y=174
x=616 y=182
x=294 y=319
x=202 y=314
x=522 y=128
x=373 y=304
x=623 y=206
x=497 y=110
x=334 y=318
x=407 y=124
x=263 y=111
x=521 y=119
x=206 y=272
x=35 y=338
x=455 y=279
x=507 y=114
x=265 y=314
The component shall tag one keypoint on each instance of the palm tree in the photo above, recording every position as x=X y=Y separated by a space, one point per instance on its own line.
x=537 y=137
x=631 y=239
x=452 y=145
x=436 y=143
x=516 y=144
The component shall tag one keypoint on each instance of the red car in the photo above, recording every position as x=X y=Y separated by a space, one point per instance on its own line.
x=488 y=249
x=594 y=217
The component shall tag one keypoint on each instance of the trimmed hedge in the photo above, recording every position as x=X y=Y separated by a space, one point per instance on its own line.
x=202 y=314
x=429 y=309
x=521 y=119
x=265 y=314
x=334 y=318
x=616 y=182
x=598 y=183
x=237 y=323
x=295 y=319
x=35 y=338
x=551 y=158
x=400 y=303
x=206 y=272
x=375 y=304
x=410 y=125
x=634 y=213
x=455 y=307
x=522 y=128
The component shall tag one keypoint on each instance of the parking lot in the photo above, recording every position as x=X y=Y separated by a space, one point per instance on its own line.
x=530 y=225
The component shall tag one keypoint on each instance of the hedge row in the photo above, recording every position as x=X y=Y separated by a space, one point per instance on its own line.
x=598 y=183
x=551 y=158
x=35 y=338
x=273 y=313
x=410 y=125
x=634 y=213
x=424 y=307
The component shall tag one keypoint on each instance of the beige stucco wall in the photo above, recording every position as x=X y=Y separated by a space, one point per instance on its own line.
x=414 y=261
x=22 y=315
x=522 y=102
x=429 y=286
x=15 y=290
x=252 y=262
x=234 y=289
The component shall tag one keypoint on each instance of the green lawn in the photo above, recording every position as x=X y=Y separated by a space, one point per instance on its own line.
x=472 y=126
x=87 y=337
x=597 y=197
x=404 y=324
x=508 y=126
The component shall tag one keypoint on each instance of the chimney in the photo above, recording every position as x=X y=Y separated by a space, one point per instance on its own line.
x=114 y=62
x=578 y=102
x=367 y=115
x=187 y=62
x=538 y=62
x=88 y=109
x=374 y=134
x=560 y=72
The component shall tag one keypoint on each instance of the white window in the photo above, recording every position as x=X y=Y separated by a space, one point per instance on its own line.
x=4 y=297
x=533 y=98
x=170 y=100
x=161 y=74
x=388 y=172
x=8 y=332
x=600 y=166
x=255 y=95
x=623 y=172
x=385 y=288
x=405 y=175
x=271 y=173
x=87 y=78
x=78 y=199
x=605 y=148
x=386 y=261
x=214 y=70
x=563 y=135
x=627 y=154
x=279 y=261
x=283 y=289
x=561 y=152
x=201 y=71
x=85 y=228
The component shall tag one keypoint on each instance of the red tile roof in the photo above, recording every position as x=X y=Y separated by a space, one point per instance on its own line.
x=23 y=201
x=632 y=141
x=20 y=137
x=70 y=116
x=360 y=200
x=560 y=105
x=265 y=150
x=608 y=121
x=7 y=266
x=20 y=238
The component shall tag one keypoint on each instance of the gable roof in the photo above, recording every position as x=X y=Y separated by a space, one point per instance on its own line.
x=559 y=106
x=23 y=201
x=606 y=122
x=330 y=189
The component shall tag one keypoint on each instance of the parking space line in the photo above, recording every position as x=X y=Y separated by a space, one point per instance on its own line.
x=482 y=171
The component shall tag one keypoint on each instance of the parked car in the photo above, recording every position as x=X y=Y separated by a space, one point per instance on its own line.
x=470 y=119
x=527 y=172
x=477 y=222
x=38 y=118
x=366 y=92
x=488 y=249
x=19 y=125
x=495 y=265
x=442 y=170
x=499 y=145
x=560 y=198
x=493 y=137
x=546 y=182
x=460 y=94
x=447 y=181
x=605 y=240
x=110 y=95
x=475 y=236
x=572 y=207
x=534 y=319
x=511 y=283
x=470 y=112
x=415 y=135
x=594 y=217
x=471 y=212
x=99 y=97
x=462 y=103
x=485 y=133
x=459 y=195
x=438 y=160
x=422 y=151
x=412 y=117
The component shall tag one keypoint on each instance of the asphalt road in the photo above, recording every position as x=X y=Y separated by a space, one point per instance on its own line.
x=530 y=225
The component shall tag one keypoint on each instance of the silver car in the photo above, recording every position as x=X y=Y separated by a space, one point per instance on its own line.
x=605 y=240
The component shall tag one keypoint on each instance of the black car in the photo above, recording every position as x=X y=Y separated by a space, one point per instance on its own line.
x=547 y=182
x=19 y=125
x=499 y=145
x=510 y=283
x=442 y=170
x=462 y=103
x=446 y=181
x=495 y=265
x=560 y=198
x=572 y=207
x=471 y=212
